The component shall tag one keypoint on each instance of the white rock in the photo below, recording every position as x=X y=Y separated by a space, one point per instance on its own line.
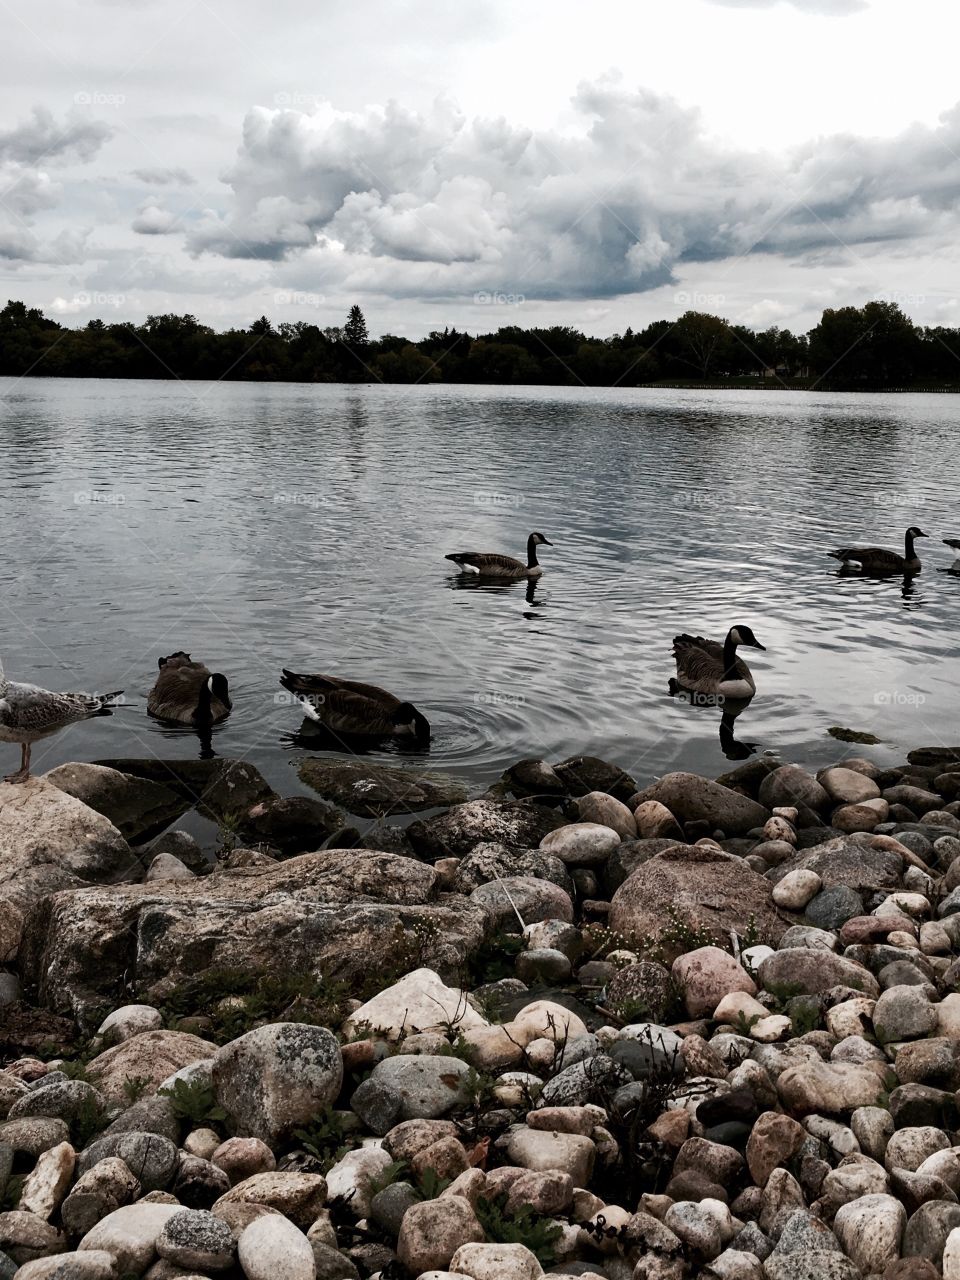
x=951 y=1256
x=354 y=1175
x=771 y=1028
x=739 y=1005
x=796 y=889
x=496 y=1262
x=543 y=1019
x=129 y=1020
x=271 y=1247
x=166 y=866
x=870 y=1230
x=581 y=843
x=46 y=1184
x=420 y=1000
x=130 y=1234
x=755 y=956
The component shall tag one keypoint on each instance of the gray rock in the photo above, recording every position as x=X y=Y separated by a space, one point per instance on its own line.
x=832 y=907
x=583 y=1082
x=134 y=805
x=196 y=1241
x=488 y=861
x=927 y=1230
x=458 y=831
x=372 y=790
x=533 y=899
x=903 y=1013
x=809 y=971
x=32 y=1135
x=691 y=798
x=428 y=1086
x=65 y=1100
x=276 y=1078
x=389 y=1205
x=151 y=1159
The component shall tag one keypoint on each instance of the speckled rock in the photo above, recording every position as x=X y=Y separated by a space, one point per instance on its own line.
x=495 y=1262
x=276 y=1078
x=130 y=1234
x=433 y=1230
x=196 y=1241
x=427 y=1086
x=419 y=1001
x=151 y=1056
x=706 y=975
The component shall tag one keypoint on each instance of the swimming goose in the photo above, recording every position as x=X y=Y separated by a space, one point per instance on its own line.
x=878 y=560
x=490 y=564
x=709 y=668
x=29 y=713
x=355 y=709
x=187 y=692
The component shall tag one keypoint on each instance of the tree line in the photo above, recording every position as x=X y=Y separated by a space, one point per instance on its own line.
x=873 y=346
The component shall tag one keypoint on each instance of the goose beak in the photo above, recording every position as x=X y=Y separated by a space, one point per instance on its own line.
x=921 y=534
x=757 y=645
x=547 y=542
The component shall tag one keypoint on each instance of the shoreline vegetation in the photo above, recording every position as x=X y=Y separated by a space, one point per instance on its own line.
x=581 y=1023
x=871 y=348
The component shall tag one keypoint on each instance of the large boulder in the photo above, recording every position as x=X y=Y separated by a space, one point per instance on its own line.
x=277 y=1078
x=700 y=887
x=581 y=774
x=150 y=1057
x=321 y=913
x=790 y=785
x=373 y=790
x=458 y=831
x=808 y=971
x=691 y=798
x=500 y=861
x=135 y=806
x=50 y=840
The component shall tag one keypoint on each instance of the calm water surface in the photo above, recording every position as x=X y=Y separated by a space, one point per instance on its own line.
x=305 y=526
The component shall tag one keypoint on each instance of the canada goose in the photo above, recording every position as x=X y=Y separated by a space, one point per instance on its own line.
x=355 y=709
x=491 y=564
x=29 y=713
x=707 y=667
x=878 y=560
x=187 y=692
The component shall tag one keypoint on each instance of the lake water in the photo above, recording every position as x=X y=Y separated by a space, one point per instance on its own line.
x=306 y=526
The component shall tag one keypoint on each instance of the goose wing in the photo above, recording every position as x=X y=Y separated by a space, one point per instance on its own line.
x=177 y=687
x=872 y=557
x=30 y=709
x=487 y=561
x=700 y=665
x=349 y=706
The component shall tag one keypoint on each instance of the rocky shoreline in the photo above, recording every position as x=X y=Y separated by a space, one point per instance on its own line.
x=575 y=1026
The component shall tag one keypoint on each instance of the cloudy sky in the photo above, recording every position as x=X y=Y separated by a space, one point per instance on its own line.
x=481 y=164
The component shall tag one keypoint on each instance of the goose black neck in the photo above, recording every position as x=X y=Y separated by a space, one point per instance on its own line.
x=532 y=560
x=909 y=552
x=729 y=657
x=204 y=697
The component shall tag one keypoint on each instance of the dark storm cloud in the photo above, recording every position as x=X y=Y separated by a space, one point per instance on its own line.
x=164 y=177
x=41 y=139
x=433 y=204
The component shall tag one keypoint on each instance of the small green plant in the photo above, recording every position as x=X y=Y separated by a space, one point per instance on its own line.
x=194 y=1101
x=494 y=959
x=325 y=1138
x=599 y=940
x=743 y=1025
x=679 y=937
x=75 y=1069
x=395 y=1171
x=134 y=1088
x=523 y=1226
x=87 y=1122
x=430 y=1184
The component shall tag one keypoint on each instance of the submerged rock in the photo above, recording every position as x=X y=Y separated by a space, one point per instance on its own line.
x=373 y=790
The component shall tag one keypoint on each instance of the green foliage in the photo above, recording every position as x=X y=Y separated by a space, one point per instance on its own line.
x=75 y=1069
x=134 y=1088
x=494 y=959
x=523 y=1226
x=236 y=1000
x=430 y=1184
x=679 y=937
x=395 y=1171
x=87 y=1122
x=599 y=940
x=194 y=1101
x=325 y=1138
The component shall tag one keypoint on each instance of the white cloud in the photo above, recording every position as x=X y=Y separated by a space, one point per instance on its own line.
x=830 y=7
x=154 y=221
x=434 y=204
x=158 y=176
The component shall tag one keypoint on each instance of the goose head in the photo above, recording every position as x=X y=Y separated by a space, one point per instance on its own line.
x=178 y=659
x=539 y=540
x=408 y=720
x=218 y=687
x=914 y=532
x=742 y=634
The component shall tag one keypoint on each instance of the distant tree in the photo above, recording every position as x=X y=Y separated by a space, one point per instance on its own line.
x=702 y=340
x=261 y=326
x=355 y=330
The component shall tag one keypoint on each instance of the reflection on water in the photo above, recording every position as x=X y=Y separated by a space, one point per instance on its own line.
x=306 y=527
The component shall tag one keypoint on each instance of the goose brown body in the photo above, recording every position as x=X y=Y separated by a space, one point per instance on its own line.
x=493 y=564
x=879 y=560
x=354 y=708
x=188 y=692
x=709 y=668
